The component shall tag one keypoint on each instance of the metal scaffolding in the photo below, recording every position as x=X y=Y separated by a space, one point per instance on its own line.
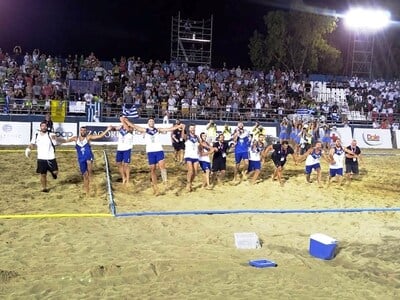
x=363 y=53
x=191 y=40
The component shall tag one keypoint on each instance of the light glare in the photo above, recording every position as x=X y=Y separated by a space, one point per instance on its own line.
x=367 y=19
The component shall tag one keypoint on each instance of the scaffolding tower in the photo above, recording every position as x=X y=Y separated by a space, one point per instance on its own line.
x=363 y=53
x=191 y=40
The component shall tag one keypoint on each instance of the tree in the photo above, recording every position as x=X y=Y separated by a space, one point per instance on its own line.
x=295 y=40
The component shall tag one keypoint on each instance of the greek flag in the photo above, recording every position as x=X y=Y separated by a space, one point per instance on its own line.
x=130 y=111
x=6 y=108
x=304 y=111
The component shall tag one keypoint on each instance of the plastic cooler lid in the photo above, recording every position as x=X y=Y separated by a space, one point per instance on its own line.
x=262 y=263
x=323 y=238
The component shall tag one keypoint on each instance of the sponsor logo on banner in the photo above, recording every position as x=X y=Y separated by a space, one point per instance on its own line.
x=14 y=133
x=372 y=139
x=7 y=127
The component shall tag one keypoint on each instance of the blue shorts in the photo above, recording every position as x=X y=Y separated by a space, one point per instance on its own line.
x=83 y=165
x=154 y=157
x=310 y=168
x=334 y=172
x=192 y=160
x=124 y=156
x=205 y=165
x=254 y=165
x=241 y=156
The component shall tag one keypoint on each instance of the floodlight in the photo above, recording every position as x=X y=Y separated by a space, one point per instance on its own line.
x=367 y=19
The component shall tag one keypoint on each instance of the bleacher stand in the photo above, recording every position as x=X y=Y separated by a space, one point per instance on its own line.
x=28 y=82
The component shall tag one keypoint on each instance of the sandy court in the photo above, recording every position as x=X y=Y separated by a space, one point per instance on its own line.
x=194 y=256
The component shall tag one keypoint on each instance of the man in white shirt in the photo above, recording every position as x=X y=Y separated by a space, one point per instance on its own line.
x=46 y=159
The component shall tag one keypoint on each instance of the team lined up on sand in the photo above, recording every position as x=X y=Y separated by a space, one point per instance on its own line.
x=207 y=151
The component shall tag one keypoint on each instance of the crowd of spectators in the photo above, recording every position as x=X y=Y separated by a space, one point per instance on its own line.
x=31 y=80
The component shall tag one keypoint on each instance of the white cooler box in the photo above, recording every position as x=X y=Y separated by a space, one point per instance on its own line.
x=322 y=246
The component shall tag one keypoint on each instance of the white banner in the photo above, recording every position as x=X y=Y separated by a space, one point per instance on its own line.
x=111 y=137
x=373 y=138
x=62 y=130
x=15 y=133
x=397 y=135
x=77 y=107
x=345 y=135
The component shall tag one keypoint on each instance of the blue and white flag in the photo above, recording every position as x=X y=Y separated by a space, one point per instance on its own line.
x=6 y=108
x=130 y=111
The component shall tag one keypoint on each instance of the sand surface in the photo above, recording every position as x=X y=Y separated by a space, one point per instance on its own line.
x=194 y=256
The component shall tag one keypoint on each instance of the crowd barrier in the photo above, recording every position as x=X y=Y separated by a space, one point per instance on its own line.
x=20 y=133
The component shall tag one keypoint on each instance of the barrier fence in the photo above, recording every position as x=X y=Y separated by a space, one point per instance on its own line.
x=99 y=111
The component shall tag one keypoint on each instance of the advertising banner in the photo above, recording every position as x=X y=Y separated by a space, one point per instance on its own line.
x=15 y=133
x=112 y=137
x=77 y=107
x=344 y=133
x=62 y=130
x=397 y=135
x=373 y=138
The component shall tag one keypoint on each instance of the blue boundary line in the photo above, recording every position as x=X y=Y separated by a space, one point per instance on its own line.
x=257 y=211
x=232 y=212
x=111 y=202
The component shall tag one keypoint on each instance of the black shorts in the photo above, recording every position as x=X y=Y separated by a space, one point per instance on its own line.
x=352 y=167
x=218 y=164
x=44 y=165
x=179 y=146
x=279 y=163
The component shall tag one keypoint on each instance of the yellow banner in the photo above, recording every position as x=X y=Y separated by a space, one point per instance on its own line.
x=58 y=110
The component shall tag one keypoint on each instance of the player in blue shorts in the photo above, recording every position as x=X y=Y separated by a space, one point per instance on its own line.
x=205 y=150
x=154 y=149
x=85 y=154
x=313 y=162
x=255 y=155
x=241 y=139
x=124 y=150
x=336 y=156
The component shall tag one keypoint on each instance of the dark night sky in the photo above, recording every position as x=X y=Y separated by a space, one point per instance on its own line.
x=111 y=28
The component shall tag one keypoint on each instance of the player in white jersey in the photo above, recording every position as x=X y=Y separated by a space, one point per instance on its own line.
x=124 y=150
x=205 y=150
x=191 y=155
x=154 y=149
x=256 y=152
x=336 y=157
x=313 y=161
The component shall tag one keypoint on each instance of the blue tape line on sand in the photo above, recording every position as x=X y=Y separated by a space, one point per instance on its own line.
x=111 y=202
x=258 y=211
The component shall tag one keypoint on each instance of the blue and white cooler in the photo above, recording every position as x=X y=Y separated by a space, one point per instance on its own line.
x=322 y=246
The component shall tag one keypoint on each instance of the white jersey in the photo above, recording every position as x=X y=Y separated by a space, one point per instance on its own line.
x=152 y=140
x=338 y=157
x=192 y=147
x=44 y=144
x=314 y=158
x=125 y=140
x=255 y=152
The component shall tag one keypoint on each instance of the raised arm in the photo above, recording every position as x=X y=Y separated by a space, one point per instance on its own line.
x=99 y=136
x=170 y=129
x=71 y=139
x=138 y=128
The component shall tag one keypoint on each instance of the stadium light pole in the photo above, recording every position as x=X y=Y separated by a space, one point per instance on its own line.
x=364 y=24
